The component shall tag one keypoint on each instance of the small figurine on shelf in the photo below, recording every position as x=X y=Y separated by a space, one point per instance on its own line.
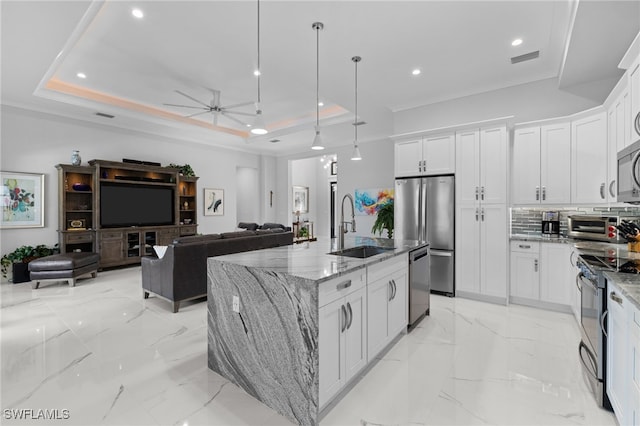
x=186 y=205
x=75 y=157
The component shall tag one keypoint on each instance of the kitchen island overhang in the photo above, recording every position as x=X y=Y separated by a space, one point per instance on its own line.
x=263 y=320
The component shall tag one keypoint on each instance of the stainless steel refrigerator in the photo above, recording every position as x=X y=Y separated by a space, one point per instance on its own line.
x=425 y=210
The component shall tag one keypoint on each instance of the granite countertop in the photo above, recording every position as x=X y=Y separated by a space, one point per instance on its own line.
x=629 y=285
x=527 y=237
x=312 y=261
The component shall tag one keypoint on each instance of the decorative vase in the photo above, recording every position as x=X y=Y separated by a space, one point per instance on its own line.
x=75 y=158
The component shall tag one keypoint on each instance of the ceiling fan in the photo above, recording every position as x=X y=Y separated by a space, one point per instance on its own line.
x=215 y=108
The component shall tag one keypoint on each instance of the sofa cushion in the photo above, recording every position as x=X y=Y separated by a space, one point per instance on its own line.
x=197 y=238
x=268 y=225
x=250 y=226
x=227 y=235
x=269 y=231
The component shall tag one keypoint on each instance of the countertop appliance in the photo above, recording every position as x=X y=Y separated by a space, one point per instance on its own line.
x=425 y=211
x=551 y=224
x=629 y=171
x=598 y=228
x=419 y=272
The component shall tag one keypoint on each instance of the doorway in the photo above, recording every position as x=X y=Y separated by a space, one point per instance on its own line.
x=333 y=191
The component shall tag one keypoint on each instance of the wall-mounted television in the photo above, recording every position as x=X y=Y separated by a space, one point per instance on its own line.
x=123 y=204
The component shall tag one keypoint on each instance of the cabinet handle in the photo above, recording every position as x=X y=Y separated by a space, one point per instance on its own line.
x=344 y=319
x=613 y=182
x=476 y=214
x=602 y=327
x=537 y=193
x=482 y=193
x=390 y=291
x=350 y=315
x=524 y=246
x=476 y=192
x=571 y=258
x=343 y=285
x=613 y=296
x=393 y=284
x=580 y=275
x=482 y=214
x=602 y=190
x=419 y=166
x=535 y=265
x=544 y=193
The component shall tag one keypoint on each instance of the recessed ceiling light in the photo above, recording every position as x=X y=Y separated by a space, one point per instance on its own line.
x=320 y=103
x=81 y=75
x=416 y=71
x=256 y=73
x=137 y=13
x=516 y=42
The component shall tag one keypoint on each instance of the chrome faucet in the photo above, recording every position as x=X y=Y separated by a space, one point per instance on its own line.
x=343 y=228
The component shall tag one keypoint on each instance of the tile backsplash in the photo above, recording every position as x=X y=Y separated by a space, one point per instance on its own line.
x=528 y=221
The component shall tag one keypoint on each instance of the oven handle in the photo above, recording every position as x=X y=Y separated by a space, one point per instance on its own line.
x=582 y=346
x=602 y=327
x=588 y=282
x=580 y=275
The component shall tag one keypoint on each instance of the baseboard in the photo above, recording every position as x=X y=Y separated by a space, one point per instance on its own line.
x=482 y=297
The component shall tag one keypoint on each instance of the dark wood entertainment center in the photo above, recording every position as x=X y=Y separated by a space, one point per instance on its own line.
x=79 y=222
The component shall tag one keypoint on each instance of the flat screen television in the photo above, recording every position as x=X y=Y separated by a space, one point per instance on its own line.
x=136 y=205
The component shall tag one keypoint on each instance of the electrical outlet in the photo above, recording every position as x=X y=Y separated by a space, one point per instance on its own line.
x=236 y=304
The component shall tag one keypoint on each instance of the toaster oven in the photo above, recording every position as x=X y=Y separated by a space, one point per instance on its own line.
x=598 y=228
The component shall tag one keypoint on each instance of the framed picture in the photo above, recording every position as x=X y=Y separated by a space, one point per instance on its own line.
x=213 y=202
x=22 y=197
x=301 y=199
x=334 y=168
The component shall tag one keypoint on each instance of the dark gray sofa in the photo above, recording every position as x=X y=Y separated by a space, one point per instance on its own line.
x=181 y=274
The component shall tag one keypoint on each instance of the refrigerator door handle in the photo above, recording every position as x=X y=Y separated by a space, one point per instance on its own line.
x=441 y=253
x=423 y=211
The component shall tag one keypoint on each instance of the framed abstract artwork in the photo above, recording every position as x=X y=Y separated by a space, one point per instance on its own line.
x=213 y=202
x=301 y=199
x=22 y=196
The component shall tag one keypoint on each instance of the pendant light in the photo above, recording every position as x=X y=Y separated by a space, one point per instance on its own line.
x=317 y=140
x=356 y=156
x=258 y=127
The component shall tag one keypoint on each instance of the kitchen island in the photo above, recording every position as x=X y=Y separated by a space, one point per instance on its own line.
x=294 y=325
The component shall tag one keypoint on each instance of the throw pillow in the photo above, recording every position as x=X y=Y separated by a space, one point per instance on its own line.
x=160 y=251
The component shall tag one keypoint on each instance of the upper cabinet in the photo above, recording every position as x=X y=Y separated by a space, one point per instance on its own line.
x=542 y=164
x=424 y=156
x=634 y=94
x=589 y=150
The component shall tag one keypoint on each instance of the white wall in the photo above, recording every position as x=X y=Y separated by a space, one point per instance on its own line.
x=527 y=102
x=247 y=200
x=34 y=142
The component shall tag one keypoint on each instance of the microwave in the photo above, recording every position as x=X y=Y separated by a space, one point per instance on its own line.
x=629 y=171
x=598 y=228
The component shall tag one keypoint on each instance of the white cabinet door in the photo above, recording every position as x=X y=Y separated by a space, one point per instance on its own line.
x=408 y=156
x=398 y=304
x=555 y=164
x=355 y=333
x=525 y=186
x=378 y=294
x=634 y=93
x=467 y=248
x=576 y=298
x=555 y=274
x=633 y=412
x=493 y=250
x=525 y=275
x=331 y=350
x=493 y=165
x=617 y=349
x=588 y=167
x=467 y=166
x=439 y=154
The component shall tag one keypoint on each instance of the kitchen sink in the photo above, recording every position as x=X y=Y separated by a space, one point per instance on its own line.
x=361 y=252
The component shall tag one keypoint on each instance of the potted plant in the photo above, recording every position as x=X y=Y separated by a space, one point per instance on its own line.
x=185 y=170
x=19 y=260
x=384 y=220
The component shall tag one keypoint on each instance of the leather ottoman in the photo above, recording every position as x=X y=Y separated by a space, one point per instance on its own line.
x=63 y=267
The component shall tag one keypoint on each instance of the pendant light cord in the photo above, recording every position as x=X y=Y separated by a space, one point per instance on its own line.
x=259 y=70
x=355 y=119
x=317 y=77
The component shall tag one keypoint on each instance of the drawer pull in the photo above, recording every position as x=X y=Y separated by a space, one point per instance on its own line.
x=524 y=246
x=343 y=285
x=613 y=296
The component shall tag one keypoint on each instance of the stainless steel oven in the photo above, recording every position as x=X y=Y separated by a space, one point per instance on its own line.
x=592 y=349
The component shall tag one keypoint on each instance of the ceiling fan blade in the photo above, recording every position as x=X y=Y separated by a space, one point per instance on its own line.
x=195 y=114
x=192 y=98
x=234 y=119
x=238 y=112
x=186 y=106
x=216 y=98
x=238 y=105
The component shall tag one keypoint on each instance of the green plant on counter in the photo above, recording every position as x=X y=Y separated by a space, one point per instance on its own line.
x=384 y=220
x=25 y=254
x=303 y=233
x=185 y=170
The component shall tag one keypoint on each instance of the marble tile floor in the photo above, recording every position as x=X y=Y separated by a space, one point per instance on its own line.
x=109 y=357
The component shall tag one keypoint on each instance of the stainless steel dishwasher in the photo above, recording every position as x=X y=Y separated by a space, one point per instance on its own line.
x=419 y=285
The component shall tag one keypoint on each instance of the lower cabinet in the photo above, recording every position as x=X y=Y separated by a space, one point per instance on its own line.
x=342 y=345
x=541 y=274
